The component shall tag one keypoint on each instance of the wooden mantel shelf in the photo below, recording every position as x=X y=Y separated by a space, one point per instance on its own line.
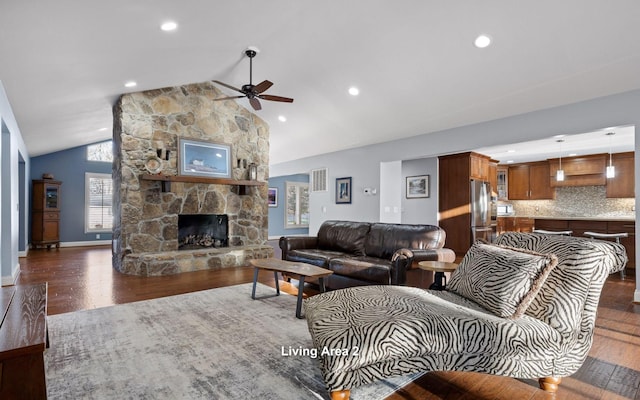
x=167 y=179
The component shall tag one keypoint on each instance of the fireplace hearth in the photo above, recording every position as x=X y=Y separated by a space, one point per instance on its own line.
x=198 y=231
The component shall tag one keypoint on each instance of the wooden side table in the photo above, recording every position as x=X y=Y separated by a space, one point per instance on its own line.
x=439 y=268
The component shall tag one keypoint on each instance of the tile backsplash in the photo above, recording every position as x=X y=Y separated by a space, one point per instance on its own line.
x=581 y=201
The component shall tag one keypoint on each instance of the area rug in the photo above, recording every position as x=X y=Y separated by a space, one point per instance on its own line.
x=213 y=344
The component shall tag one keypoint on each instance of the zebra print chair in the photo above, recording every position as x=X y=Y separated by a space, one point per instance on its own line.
x=400 y=330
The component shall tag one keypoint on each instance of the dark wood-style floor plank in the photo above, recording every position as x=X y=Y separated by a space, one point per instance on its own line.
x=82 y=278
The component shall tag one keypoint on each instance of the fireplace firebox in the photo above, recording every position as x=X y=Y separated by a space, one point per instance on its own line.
x=197 y=231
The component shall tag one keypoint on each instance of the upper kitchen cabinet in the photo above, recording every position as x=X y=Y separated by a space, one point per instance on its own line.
x=502 y=179
x=623 y=184
x=530 y=181
x=579 y=171
x=493 y=177
x=479 y=166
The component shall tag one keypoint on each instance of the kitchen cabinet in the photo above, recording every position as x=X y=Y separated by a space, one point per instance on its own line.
x=493 y=177
x=586 y=170
x=455 y=172
x=45 y=213
x=479 y=168
x=580 y=226
x=514 y=224
x=502 y=178
x=623 y=184
x=530 y=181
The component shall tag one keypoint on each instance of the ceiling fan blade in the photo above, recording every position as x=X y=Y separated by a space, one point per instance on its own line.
x=255 y=103
x=228 y=86
x=228 y=98
x=276 y=98
x=262 y=86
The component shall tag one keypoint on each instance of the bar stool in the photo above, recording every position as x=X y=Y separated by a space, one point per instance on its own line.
x=609 y=236
x=546 y=232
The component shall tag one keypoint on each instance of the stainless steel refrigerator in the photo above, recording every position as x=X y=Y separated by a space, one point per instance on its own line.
x=482 y=224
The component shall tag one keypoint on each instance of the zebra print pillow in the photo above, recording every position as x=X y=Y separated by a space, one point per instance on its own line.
x=504 y=280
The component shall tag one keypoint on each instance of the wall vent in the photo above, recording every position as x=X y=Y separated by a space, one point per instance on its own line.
x=319 y=180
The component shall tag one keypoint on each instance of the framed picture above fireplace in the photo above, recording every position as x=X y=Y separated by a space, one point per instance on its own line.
x=202 y=158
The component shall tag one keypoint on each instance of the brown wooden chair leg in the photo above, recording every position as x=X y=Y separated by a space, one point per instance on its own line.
x=549 y=384
x=340 y=394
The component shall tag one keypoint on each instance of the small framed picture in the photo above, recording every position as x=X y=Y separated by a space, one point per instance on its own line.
x=343 y=190
x=417 y=186
x=272 y=197
x=206 y=159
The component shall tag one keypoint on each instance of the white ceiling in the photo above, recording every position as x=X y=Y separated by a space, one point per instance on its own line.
x=63 y=63
x=621 y=140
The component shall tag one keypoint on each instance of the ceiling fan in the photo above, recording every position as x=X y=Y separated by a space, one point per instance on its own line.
x=251 y=91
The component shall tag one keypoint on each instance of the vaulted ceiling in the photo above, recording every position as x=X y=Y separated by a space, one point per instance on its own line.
x=64 y=63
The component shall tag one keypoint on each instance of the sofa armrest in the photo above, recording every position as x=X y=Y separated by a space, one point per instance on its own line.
x=444 y=254
x=288 y=243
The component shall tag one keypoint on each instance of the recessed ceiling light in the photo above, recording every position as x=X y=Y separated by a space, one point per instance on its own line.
x=130 y=84
x=573 y=154
x=510 y=162
x=282 y=118
x=102 y=129
x=169 y=26
x=354 y=91
x=482 y=41
x=559 y=136
x=511 y=151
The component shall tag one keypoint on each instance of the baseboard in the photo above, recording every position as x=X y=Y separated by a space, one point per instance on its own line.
x=279 y=236
x=23 y=253
x=636 y=296
x=11 y=280
x=86 y=243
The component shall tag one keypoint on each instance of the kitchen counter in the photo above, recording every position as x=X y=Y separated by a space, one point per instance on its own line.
x=601 y=218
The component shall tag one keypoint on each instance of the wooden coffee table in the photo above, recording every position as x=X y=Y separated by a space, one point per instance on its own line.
x=301 y=270
x=439 y=267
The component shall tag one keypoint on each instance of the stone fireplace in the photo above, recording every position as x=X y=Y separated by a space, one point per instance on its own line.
x=148 y=207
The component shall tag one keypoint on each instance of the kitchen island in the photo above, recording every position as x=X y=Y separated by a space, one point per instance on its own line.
x=580 y=225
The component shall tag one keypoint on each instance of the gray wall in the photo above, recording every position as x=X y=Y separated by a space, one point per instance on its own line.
x=276 y=214
x=420 y=210
x=364 y=163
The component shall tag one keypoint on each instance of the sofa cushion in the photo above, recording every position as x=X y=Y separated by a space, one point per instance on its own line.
x=502 y=279
x=319 y=258
x=371 y=269
x=343 y=236
x=384 y=239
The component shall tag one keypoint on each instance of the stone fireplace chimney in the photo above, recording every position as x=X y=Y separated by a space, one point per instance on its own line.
x=147 y=129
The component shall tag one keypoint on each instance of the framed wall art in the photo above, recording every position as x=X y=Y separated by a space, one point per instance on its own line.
x=417 y=186
x=205 y=159
x=272 y=197
x=343 y=190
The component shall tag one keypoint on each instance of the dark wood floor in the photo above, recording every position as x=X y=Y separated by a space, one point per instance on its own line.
x=82 y=278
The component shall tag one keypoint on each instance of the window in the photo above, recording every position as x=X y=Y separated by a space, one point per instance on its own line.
x=98 y=201
x=296 y=205
x=100 y=152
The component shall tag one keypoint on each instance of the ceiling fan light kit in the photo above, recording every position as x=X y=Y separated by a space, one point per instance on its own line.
x=251 y=91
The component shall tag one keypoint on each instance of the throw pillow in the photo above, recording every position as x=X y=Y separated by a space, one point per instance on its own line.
x=504 y=280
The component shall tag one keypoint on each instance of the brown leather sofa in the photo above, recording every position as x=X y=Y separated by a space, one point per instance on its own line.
x=364 y=253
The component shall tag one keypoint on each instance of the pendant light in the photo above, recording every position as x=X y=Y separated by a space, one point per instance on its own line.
x=560 y=171
x=611 y=170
